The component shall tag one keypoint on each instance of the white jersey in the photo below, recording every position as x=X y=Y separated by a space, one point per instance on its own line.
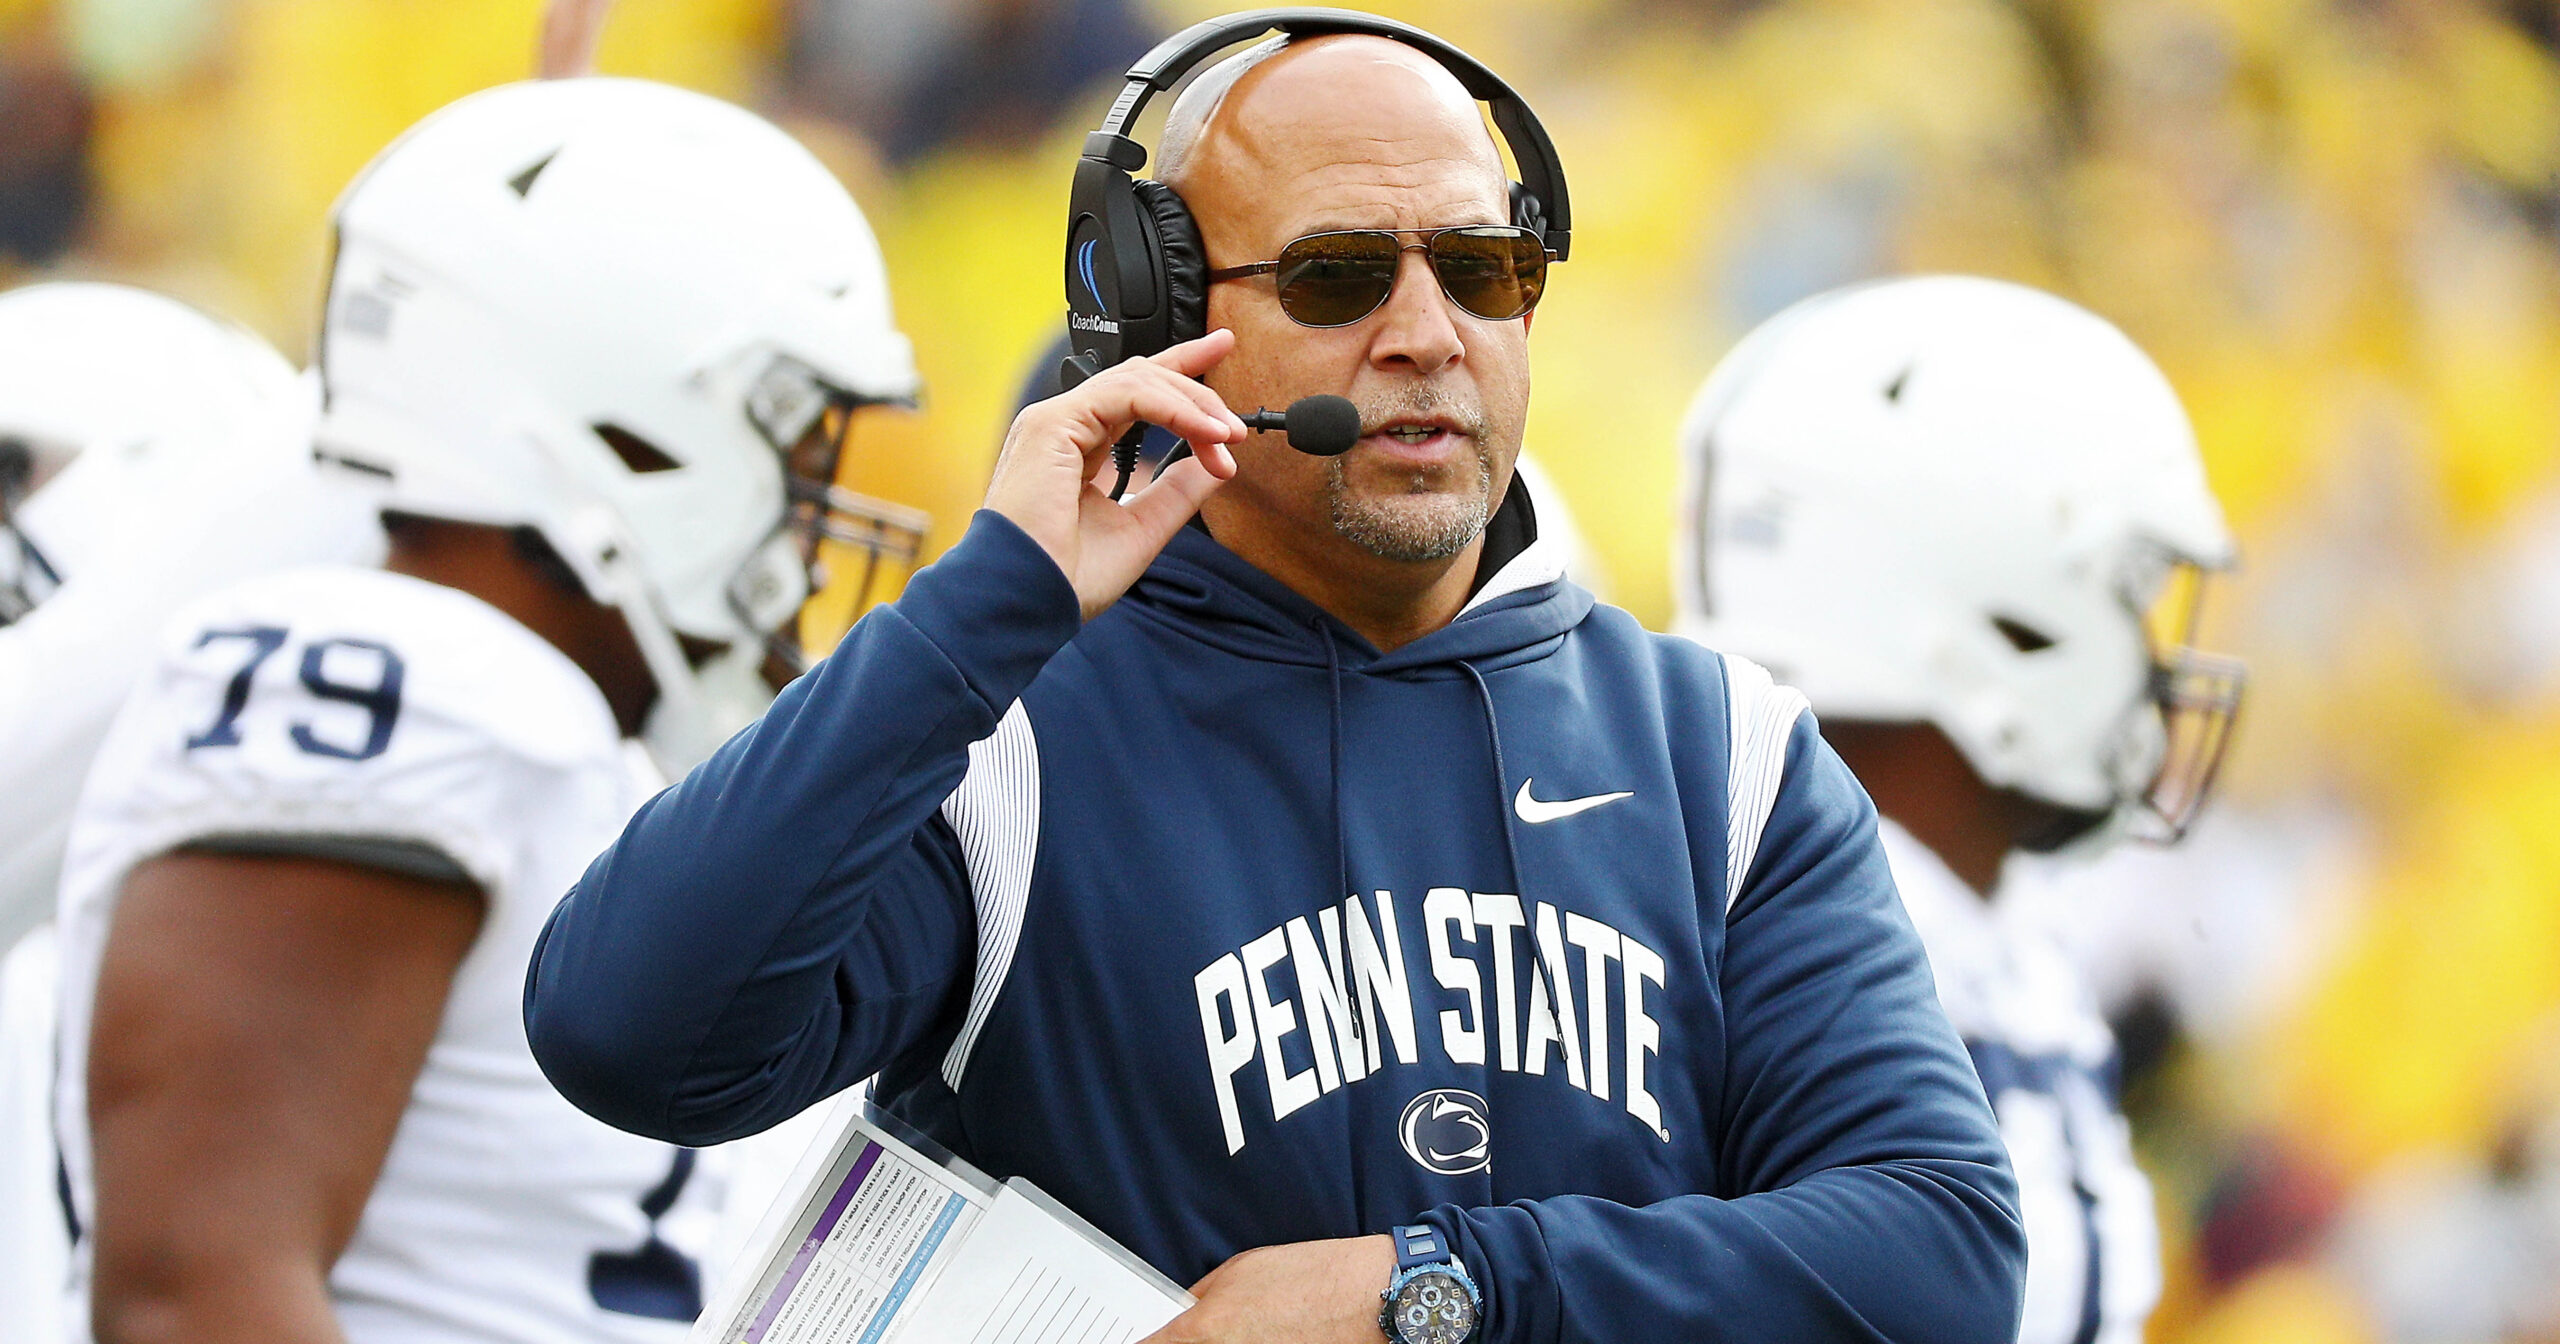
x=66 y=666
x=323 y=708
x=35 y=1245
x=2048 y=1063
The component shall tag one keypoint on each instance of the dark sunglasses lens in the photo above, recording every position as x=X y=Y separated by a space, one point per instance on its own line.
x=1495 y=273
x=1335 y=279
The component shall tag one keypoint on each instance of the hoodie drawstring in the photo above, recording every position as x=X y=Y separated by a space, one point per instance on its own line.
x=1341 y=841
x=1511 y=845
x=1502 y=814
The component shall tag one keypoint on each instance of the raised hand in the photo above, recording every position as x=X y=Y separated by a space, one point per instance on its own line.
x=1044 y=479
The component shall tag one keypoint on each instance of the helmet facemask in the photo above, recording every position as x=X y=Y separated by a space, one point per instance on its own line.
x=619 y=271
x=2197 y=696
x=726 y=682
x=830 y=529
x=27 y=578
x=1959 y=501
x=2168 y=746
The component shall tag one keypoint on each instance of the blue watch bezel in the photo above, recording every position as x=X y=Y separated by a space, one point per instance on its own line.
x=1420 y=1251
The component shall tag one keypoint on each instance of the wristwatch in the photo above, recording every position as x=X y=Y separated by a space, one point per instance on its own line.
x=1430 y=1300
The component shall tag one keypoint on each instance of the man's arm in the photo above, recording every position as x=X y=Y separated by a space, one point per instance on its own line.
x=260 y=1022
x=777 y=925
x=1881 y=1205
x=782 y=921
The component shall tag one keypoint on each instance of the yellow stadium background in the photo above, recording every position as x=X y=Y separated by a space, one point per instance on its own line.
x=2333 y=224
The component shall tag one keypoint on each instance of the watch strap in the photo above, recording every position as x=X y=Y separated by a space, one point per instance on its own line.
x=1422 y=1250
x=1418 y=1245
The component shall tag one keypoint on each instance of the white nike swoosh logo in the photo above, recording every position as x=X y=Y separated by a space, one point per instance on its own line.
x=1535 y=811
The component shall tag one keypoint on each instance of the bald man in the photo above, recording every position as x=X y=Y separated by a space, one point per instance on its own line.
x=1293 y=873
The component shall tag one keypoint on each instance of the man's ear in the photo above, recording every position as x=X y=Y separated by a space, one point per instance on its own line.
x=1528 y=319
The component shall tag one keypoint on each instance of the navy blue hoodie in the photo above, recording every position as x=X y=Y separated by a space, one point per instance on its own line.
x=1570 y=940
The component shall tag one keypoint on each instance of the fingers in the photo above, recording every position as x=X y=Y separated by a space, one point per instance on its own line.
x=1216 y=458
x=1096 y=413
x=1190 y=360
x=1195 y=357
x=1160 y=396
x=1177 y=369
x=1181 y=1328
x=1171 y=498
x=1161 y=390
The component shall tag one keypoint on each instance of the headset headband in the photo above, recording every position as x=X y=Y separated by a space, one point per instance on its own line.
x=1136 y=273
x=1160 y=69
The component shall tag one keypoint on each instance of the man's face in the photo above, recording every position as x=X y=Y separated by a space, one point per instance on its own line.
x=1362 y=134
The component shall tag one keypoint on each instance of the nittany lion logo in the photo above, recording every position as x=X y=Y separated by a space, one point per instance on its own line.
x=1445 y=1130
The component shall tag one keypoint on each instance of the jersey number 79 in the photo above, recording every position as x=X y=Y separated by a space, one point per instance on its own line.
x=380 y=698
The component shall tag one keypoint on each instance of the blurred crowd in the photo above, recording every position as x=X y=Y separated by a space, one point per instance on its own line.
x=2335 y=223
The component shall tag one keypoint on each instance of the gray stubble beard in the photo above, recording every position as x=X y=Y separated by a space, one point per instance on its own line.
x=1428 y=529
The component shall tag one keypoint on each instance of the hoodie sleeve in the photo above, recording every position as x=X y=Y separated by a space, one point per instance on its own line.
x=783 y=921
x=1875 y=1199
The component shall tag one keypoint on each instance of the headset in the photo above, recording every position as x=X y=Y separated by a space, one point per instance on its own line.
x=1137 y=275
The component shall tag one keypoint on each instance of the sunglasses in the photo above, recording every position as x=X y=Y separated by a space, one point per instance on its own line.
x=1495 y=271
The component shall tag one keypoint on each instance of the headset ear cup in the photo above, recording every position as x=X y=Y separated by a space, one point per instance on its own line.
x=1186 y=263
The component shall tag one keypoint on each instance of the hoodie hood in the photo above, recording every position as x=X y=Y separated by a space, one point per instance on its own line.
x=1522 y=605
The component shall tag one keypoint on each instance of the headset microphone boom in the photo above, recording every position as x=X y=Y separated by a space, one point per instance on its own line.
x=1323 y=425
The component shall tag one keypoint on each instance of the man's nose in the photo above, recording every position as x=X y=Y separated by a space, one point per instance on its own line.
x=1414 y=330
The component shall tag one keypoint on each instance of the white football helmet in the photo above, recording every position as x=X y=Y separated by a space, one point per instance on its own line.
x=118 y=409
x=1961 y=502
x=635 y=320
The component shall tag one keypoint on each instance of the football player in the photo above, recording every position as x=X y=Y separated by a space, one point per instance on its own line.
x=149 y=454
x=600 y=342
x=1969 y=521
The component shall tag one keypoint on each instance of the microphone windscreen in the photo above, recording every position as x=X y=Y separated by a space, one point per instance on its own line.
x=1326 y=426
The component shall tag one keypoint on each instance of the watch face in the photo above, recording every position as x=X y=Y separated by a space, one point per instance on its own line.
x=1433 y=1308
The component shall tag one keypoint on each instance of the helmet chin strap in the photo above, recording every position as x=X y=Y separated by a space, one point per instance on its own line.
x=729 y=692
x=2076 y=833
x=2135 y=751
x=679 y=731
